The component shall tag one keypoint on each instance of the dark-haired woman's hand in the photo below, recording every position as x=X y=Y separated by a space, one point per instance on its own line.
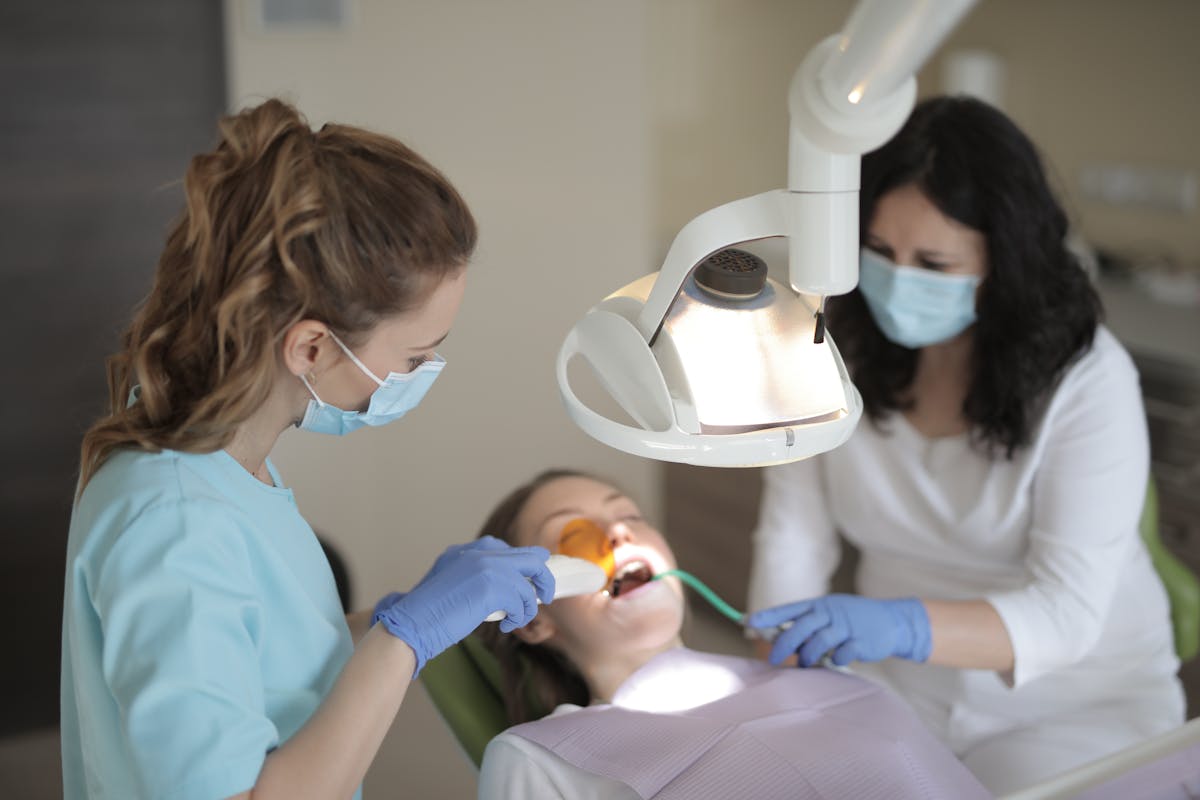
x=847 y=628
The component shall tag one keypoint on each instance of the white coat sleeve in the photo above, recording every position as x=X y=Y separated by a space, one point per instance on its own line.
x=1087 y=498
x=796 y=547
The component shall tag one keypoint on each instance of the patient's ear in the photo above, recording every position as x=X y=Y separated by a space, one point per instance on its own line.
x=538 y=630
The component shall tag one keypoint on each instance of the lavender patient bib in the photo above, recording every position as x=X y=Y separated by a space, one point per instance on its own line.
x=693 y=725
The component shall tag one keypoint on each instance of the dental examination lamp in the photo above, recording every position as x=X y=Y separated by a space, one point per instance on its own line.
x=718 y=364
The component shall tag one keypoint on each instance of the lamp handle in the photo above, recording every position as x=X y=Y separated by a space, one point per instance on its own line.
x=759 y=216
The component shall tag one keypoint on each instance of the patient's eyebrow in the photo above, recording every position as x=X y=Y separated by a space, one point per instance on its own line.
x=558 y=513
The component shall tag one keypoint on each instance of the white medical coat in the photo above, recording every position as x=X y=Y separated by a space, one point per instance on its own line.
x=1049 y=538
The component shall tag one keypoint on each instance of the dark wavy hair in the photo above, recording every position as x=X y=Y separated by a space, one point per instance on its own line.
x=537 y=678
x=1037 y=310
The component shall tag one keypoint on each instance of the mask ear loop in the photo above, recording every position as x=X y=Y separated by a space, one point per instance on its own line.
x=354 y=358
x=311 y=390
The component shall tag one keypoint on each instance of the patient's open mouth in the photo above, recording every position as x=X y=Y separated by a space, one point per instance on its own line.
x=630 y=576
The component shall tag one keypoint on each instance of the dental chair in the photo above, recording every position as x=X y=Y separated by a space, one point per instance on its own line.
x=466 y=687
x=1183 y=588
x=465 y=682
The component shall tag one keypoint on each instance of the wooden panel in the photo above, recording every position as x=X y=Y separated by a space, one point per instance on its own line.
x=104 y=104
x=710 y=514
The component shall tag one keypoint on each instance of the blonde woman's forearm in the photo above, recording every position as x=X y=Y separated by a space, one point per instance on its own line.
x=329 y=756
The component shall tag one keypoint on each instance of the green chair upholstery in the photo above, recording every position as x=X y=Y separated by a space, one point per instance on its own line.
x=464 y=684
x=1183 y=589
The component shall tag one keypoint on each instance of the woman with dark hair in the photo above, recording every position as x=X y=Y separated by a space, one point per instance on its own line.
x=637 y=714
x=995 y=487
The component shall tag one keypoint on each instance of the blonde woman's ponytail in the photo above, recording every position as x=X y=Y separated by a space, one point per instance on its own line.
x=280 y=224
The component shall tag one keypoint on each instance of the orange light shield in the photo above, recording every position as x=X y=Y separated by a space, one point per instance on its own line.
x=582 y=538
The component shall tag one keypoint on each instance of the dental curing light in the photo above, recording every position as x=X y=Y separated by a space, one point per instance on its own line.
x=717 y=364
x=572 y=576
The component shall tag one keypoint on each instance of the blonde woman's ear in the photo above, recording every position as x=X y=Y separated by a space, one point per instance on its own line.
x=538 y=630
x=302 y=346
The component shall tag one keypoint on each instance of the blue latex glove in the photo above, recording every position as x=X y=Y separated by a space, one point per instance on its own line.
x=384 y=602
x=849 y=627
x=467 y=583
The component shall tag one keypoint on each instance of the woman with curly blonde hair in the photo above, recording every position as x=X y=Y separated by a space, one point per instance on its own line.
x=205 y=652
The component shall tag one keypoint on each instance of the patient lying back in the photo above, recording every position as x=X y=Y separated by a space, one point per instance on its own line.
x=638 y=715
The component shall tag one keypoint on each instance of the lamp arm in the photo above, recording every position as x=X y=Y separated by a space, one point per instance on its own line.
x=883 y=44
x=851 y=94
x=873 y=61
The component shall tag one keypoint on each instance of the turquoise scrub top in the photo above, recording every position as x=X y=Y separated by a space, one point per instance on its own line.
x=201 y=628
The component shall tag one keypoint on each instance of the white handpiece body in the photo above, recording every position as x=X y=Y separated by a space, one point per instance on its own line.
x=572 y=576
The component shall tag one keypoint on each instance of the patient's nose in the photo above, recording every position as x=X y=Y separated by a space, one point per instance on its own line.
x=619 y=533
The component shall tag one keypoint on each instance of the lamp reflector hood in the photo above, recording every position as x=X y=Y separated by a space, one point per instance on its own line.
x=732 y=377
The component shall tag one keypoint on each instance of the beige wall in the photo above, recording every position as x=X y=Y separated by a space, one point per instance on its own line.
x=1091 y=81
x=584 y=135
x=720 y=71
x=1101 y=82
x=535 y=110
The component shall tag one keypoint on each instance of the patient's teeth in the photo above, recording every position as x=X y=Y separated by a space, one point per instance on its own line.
x=632 y=566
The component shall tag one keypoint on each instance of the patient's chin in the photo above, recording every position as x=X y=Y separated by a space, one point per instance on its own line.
x=648 y=615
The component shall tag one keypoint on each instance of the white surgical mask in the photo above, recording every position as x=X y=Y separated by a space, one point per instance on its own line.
x=916 y=307
x=398 y=393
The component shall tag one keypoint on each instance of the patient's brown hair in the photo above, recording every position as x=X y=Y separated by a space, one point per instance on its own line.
x=537 y=678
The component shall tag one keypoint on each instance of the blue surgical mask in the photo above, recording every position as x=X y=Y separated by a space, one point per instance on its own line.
x=398 y=393
x=916 y=307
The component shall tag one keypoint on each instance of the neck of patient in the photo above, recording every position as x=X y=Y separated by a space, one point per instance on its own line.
x=606 y=672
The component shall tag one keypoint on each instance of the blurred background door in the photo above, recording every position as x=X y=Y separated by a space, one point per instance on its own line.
x=102 y=105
